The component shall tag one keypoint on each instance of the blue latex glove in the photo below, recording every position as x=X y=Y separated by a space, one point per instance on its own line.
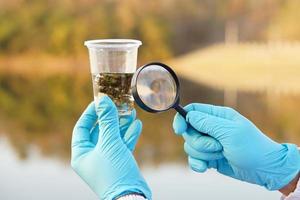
x=249 y=155
x=102 y=156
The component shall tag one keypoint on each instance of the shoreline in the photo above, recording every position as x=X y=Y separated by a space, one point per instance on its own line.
x=43 y=64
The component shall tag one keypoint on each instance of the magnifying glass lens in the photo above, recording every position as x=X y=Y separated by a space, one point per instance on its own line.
x=156 y=87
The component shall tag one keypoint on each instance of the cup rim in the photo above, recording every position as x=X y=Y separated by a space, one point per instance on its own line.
x=112 y=43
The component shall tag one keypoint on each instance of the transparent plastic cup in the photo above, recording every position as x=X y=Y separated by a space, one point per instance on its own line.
x=113 y=63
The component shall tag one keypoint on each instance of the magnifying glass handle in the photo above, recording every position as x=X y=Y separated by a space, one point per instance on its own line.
x=181 y=111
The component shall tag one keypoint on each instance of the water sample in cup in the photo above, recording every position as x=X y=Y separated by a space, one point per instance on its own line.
x=113 y=63
x=117 y=86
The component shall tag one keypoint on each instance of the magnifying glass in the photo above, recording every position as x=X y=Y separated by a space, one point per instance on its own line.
x=155 y=88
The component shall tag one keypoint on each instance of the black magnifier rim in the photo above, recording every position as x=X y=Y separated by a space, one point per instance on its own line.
x=135 y=92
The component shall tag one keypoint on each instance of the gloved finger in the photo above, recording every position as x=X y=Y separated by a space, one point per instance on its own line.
x=202 y=155
x=132 y=134
x=197 y=165
x=95 y=133
x=109 y=133
x=201 y=142
x=179 y=124
x=81 y=131
x=125 y=121
x=218 y=111
x=209 y=124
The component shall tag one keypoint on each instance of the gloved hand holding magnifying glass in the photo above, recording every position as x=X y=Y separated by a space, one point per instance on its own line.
x=215 y=136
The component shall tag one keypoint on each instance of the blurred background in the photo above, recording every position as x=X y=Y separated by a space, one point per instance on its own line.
x=239 y=53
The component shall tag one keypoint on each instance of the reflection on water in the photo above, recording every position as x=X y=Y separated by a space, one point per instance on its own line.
x=45 y=118
x=42 y=178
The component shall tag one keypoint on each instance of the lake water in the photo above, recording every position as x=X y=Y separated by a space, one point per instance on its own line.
x=38 y=178
x=35 y=142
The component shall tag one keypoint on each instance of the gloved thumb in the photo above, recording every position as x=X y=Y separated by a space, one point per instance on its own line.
x=132 y=134
x=208 y=124
x=108 y=120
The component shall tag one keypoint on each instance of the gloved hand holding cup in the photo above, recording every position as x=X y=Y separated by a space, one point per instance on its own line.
x=102 y=155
